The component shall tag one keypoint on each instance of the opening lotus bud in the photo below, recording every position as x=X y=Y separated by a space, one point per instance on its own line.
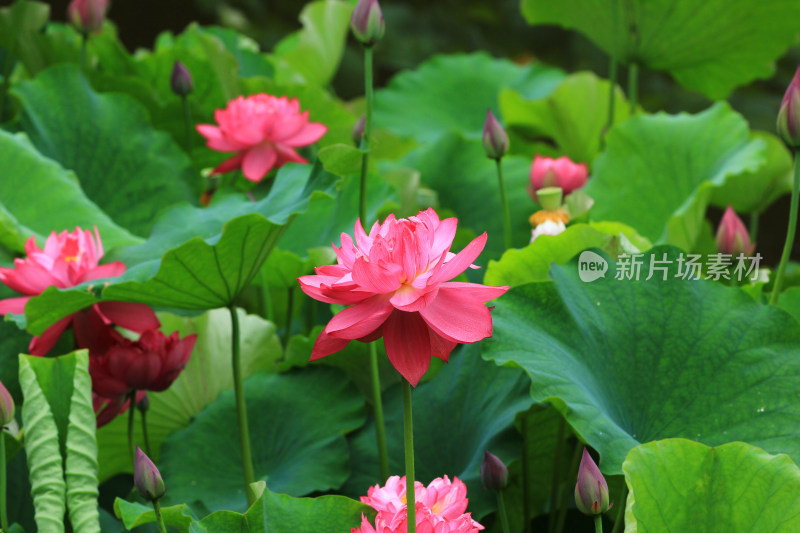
x=147 y=478
x=591 y=490
x=367 y=22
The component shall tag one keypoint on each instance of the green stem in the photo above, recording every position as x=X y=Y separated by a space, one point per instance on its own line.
x=131 y=413
x=7 y=68
x=241 y=408
x=555 y=483
x=144 y=434
x=187 y=121
x=408 y=434
x=380 y=426
x=159 y=518
x=620 y=520
x=289 y=312
x=365 y=139
x=787 y=247
x=504 y=200
x=573 y=474
x=501 y=510
x=633 y=86
x=84 y=41
x=526 y=475
x=612 y=77
x=266 y=298
x=754 y=216
x=3 y=515
x=598 y=523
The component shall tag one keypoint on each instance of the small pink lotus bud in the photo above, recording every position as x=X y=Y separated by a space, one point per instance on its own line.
x=732 y=236
x=591 y=491
x=181 y=79
x=87 y=15
x=494 y=473
x=789 y=113
x=367 y=22
x=6 y=407
x=495 y=140
x=358 y=130
x=147 y=478
x=561 y=172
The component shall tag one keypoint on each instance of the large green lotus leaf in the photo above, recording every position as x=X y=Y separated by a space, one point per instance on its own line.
x=467 y=185
x=755 y=191
x=135 y=514
x=711 y=48
x=297 y=425
x=241 y=246
x=572 y=117
x=672 y=162
x=246 y=51
x=628 y=362
x=312 y=54
x=39 y=196
x=452 y=93
x=125 y=166
x=518 y=266
x=207 y=373
x=469 y=407
x=681 y=485
x=21 y=27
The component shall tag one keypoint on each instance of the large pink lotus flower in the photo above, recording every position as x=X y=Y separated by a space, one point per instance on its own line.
x=561 y=172
x=69 y=259
x=397 y=279
x=264 y=130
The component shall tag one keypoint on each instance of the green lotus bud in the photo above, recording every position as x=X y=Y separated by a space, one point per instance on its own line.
x=367 y=22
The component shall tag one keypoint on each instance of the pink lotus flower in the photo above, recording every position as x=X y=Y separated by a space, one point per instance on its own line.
x=107 y=409
x=264 y=130
x=397 y=281
x=732 y=236
x=561 y=172
x=69 y=259
x=789 y=113
x=591 y=490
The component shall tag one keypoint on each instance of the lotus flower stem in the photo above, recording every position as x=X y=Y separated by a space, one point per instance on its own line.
x=506 y=212
x=380 y=427
x=526 y=475
x=159 y=518
x=633 y=86
x=289 y=312
x=612 y=77
x=144 y=433
x=501 y=510
x=598 y=523
x=619 y=523
x=84 y=42
x=7 y=68
x=241 y=408
x=131 y=415
x=187 y=121
x=266 y=299
x=573 y=474
x=408 y=434
x=555 y=493
x=787 y=247
x=3 y=515
x=753 y=230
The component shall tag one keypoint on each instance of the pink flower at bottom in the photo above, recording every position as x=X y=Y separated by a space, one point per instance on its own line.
x=397 y=281
x=69 y=259
x=263 y=130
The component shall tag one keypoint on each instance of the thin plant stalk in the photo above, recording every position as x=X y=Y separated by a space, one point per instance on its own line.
x=377 y=401
x=241 y=407
x=506 y=212
x=526 y=476
x=573 y=474
x=187 y=121
x=621 y=501
x=598 y=523
x=753 y=230
x=289 y=312
x=7 y=68
x=380 y=427
x=266 y=299
x=612 y=78
x=501 y=510
x=555 y=483
x=3 y=512
x=408 y=434
x=790 y=231
x=131 y=415
x=633 y=86
x=159 y=518
x=84 y=42
x=144 y=434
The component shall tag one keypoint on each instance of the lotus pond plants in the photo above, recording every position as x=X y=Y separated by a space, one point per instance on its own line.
x=517 y=266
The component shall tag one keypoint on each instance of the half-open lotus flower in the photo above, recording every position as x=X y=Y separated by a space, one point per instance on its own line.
x=396 y=278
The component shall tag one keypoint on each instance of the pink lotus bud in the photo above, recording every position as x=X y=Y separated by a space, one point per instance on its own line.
x=494 y=474
x=87 y=15
x=181 y=79
x=591 y=491
x=367 y=22
x=789 y=114
x=732 y=236
x=358 y=130
x=561 y=172
x=6 y=407
x=495 y=140
x=147 y=478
